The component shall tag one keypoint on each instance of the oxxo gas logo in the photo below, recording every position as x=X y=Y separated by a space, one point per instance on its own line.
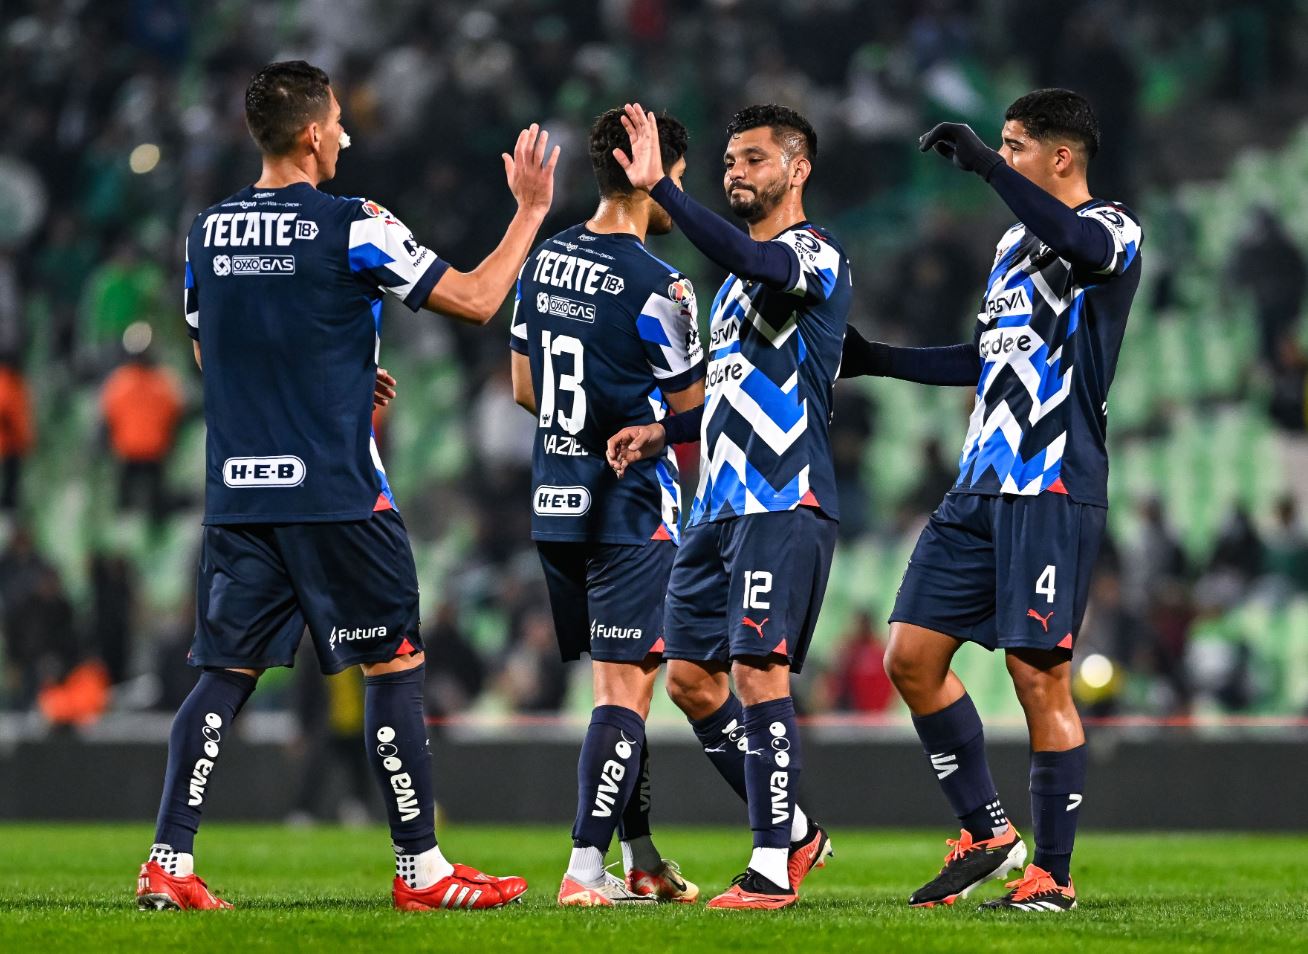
x=562 y=307
x=610 y=775
x=406 y=799
x=284 y=471
x=213 y=723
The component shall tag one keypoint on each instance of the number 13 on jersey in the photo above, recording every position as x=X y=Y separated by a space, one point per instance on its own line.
x=555 y=346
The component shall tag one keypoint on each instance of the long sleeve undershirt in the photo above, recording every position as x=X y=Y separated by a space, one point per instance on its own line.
x=771 y=263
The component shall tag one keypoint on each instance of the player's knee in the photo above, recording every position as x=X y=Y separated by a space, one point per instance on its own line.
x=904 y=669
x=1038 y=689
x=695 y=694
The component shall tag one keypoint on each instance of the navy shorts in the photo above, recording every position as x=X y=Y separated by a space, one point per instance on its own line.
x=749 y=586
x=607 y=598
x=353 y=584
x=1007 y=572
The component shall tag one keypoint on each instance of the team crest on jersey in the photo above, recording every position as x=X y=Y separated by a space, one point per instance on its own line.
x=376 y=211
x=682 y=292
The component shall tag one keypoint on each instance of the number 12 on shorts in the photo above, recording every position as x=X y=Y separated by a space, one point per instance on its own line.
x=758 y=584
x=1045 y=585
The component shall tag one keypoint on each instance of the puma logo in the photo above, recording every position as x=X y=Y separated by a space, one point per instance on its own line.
x=1044 y=620
x=753 y=625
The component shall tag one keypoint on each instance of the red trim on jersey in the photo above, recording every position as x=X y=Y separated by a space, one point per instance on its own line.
x=661 y=534
x=382 y=504
x=658 y=646
x=1065 y=642
x=808 y=500
x=780 y=649
x=810 y=228
x=1057 y=487
x=406 y=648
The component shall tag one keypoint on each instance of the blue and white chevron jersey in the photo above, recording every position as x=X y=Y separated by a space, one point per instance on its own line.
x=1049 y=335
x=608 y=329
x=284 y=293
x=773 y=360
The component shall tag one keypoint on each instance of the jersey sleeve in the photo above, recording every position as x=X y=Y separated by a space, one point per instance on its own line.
x=384 y=254
x=1123 y=231
x=668 y=327
x=819 y=263
x=518 y=330
x=191 y=297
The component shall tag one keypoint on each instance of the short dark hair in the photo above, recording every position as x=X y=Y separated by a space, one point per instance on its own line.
x=607 y=134
x=281 y=100
x=1058 y=114
x=789 y=128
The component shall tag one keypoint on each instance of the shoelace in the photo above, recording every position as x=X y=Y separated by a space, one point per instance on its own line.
x=1024 y=887
x=740 y=878
x=959 y=846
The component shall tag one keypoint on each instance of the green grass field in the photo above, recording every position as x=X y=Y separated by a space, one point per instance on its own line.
x=70 y=887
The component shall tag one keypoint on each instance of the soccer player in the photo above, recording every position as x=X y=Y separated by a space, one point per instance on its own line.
x=605 y=335
x=749 y=578
x=1006 y=559
x=284 y=289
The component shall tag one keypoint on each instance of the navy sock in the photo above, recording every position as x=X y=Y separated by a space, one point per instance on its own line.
x=1057 y=783
x=955 y=742
x=201 y=724
x=722 y=735
x=607 y=773
x=772 y=766
x=395 y=737
x=634 y=822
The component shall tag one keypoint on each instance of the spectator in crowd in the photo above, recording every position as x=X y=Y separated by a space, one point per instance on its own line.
x=17 y=430
x=455 y=671
x=533 y=679
x=113 y=598
x=142 y=404
x=858 y=679
x=40 y=639
x=1286 y=553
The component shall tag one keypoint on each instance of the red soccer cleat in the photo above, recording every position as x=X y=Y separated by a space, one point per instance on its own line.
x=157 y=890
x=751 y=891
x=466 y=888
x=808 y=853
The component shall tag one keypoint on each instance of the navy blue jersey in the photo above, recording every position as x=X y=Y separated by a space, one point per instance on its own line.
x=773 y=360
x=609 y=330
x=1049 y=335
x=284 y=293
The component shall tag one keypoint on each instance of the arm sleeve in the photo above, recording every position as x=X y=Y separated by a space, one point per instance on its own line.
x=1082 y=240
x=518 y=330
x=384 y=254
x=668 y=328
x=952 y=365
x=683 y=428
x=191 y=297
x=772 y=263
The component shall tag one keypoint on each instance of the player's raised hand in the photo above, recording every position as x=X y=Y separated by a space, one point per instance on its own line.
x=644 y=167
x=958 y=143
x=384 y=391
x=530 y=173
x=635 y=443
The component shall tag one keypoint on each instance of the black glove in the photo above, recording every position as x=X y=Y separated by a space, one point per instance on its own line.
x=957 y=142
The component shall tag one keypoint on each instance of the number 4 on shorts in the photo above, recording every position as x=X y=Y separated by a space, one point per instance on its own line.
x=1045 y=585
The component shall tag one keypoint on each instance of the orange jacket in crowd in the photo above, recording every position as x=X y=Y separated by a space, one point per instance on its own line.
x=141 y=404
x=17 y=433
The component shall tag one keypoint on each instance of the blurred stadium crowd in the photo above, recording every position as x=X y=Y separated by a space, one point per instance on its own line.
x=125 y=118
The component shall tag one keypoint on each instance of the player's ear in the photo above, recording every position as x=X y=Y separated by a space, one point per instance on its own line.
x=800 y=170
x=1064 y=160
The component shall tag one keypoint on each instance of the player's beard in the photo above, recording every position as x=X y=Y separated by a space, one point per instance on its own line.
x=759 y=203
